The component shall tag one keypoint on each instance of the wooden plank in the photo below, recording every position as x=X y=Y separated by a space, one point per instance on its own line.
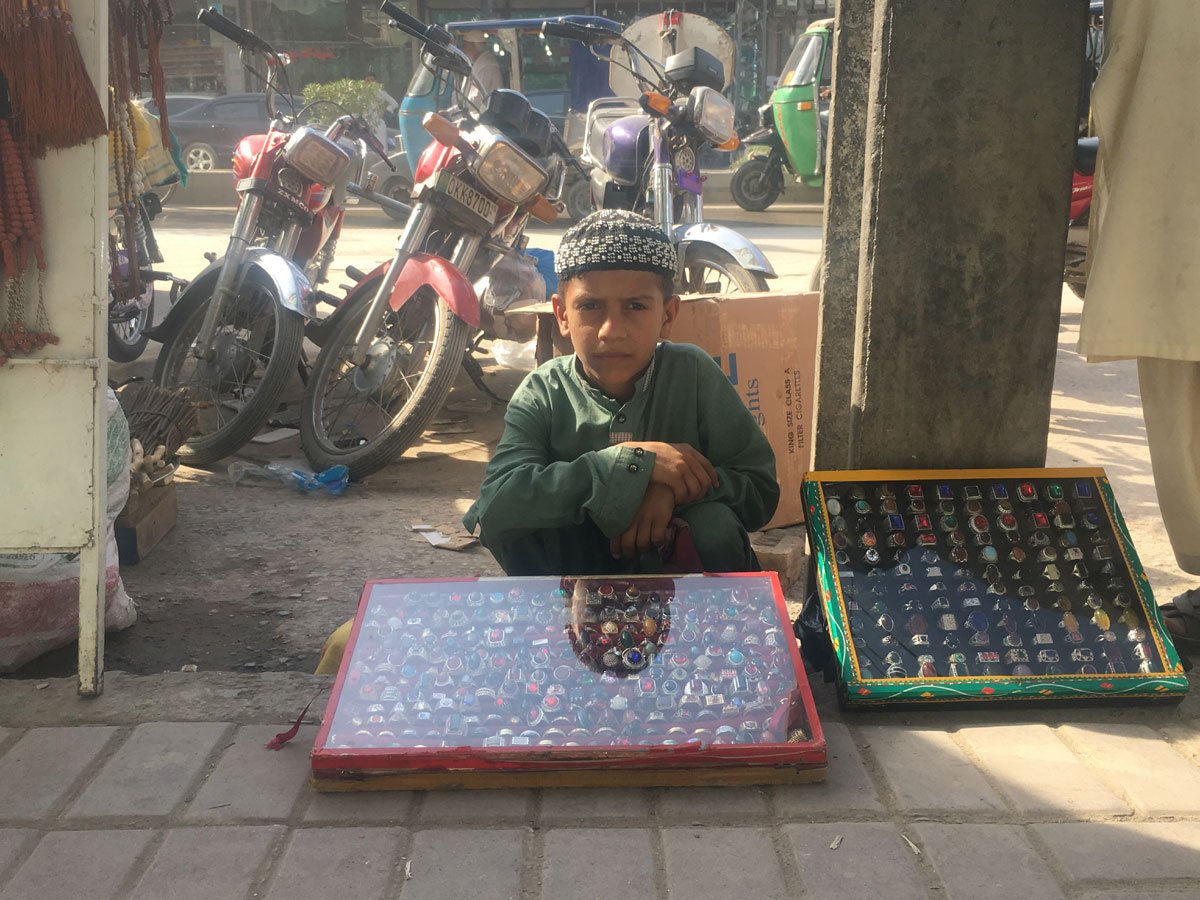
x=575 y=778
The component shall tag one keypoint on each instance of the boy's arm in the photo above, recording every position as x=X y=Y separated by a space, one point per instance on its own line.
x=735 y=444
x=523 y=490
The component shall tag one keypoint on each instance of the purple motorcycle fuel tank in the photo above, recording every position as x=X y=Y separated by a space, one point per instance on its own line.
x=627 y=149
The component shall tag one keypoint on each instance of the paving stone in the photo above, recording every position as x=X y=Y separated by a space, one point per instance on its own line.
x=44 y=764
x=68 y=865
x=721 y=863
x=359 y=807
x=871 y=860
x=207 y=863
x=1039 y=773
x=631 y=878
x=461 y=864
x=1142 y=894
x=986 y=861
x=152 y=772
x=575 y=805
x=1159 y=780
x=707 y=804
x=252 y=782
x=321 y=863
x=928 y=771
x=460 y=806
x=847 y=786
x=1125 y=851
x=1186 y=740
x=12 y=841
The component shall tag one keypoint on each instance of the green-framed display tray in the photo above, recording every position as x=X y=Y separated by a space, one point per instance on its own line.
x=985 y=585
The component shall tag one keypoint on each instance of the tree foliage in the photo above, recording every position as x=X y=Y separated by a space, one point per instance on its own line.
x=361 y=98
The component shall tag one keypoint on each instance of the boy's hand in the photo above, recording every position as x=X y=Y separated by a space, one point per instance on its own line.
x=648 y=530
x=680 y=467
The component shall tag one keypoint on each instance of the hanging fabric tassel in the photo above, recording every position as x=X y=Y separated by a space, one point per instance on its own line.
x=53 y=95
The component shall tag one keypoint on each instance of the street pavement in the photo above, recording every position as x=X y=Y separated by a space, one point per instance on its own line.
x=162 y=787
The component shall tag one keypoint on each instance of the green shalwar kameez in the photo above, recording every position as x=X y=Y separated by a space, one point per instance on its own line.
x=558 y=487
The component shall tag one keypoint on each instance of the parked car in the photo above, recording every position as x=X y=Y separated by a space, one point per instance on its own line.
x=209 y=131
x=177 y=103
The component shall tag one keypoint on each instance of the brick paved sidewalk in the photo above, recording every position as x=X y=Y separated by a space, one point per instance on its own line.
x=1092 y=803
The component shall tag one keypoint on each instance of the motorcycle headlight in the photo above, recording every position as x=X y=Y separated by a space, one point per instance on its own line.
x=712 y=114
x=315 y=156
x=505 y=170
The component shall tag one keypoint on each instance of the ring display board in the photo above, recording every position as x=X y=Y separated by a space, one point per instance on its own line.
x=985 y=585
x=500 y=682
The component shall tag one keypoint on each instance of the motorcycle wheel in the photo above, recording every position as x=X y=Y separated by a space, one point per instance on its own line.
x=754 y=185
x=708 y=270
x=258 y=343
x=579 y=199
x=365 y=416
x=127 y=340
x=397 y=189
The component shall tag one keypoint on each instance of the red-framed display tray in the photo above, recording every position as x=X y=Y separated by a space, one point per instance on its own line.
x=546 y=681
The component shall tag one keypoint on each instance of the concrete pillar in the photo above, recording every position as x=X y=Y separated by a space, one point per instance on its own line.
x=970 y=131
x=838 y=265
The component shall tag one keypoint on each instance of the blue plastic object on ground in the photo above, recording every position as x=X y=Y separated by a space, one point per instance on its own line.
x=332 y=480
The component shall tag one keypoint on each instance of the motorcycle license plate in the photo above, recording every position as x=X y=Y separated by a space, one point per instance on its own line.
x=457 y=189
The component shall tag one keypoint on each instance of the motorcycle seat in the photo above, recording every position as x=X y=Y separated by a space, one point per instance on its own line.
x=1085 y=155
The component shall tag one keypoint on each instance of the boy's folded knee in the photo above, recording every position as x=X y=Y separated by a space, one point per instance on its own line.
x=719 y=537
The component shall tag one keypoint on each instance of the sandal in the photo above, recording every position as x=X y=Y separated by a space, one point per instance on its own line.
x=1184 y=610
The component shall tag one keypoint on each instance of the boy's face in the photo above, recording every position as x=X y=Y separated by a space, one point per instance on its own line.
x=615 y=320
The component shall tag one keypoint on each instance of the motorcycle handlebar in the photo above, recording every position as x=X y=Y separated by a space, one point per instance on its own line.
x=587 y=34
x=433 y=35
x=247 y=40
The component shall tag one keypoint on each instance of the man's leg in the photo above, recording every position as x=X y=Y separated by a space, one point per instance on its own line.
x=720 y=539
x=1171 y=406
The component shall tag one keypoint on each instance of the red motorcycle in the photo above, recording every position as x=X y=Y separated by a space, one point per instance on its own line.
x=236 y=333
x=399 y=339
x=1075 y=271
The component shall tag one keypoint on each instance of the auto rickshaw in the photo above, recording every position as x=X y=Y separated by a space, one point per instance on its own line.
x=795 y=124
x=561 y=78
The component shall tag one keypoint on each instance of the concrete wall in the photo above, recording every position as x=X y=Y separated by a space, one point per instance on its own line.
x=969 y=137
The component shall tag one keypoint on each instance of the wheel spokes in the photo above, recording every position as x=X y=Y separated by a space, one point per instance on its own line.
x=359 y=403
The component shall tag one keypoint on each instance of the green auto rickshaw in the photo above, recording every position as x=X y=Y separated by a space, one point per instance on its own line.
x=795 y=124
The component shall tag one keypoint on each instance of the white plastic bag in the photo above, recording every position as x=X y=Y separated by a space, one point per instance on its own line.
x=514 y=355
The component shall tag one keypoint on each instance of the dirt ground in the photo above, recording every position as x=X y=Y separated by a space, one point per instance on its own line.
x=254 y=577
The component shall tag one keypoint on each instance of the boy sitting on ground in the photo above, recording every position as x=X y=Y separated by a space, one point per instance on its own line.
x=609 y=452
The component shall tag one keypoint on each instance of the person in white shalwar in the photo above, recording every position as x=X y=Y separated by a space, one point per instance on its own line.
x=1143 y=294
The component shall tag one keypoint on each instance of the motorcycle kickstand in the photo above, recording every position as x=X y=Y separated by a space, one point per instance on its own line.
x=475 y=372
x=303 y=368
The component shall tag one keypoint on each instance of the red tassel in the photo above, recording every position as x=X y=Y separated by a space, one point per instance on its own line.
x=277 y=742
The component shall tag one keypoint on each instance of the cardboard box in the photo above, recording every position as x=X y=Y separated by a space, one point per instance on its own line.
x=767 y=346
x=140 y=531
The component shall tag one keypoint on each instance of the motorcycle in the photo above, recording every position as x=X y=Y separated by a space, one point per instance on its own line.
x=795 y=124
x=237 y=331
x=400 y=337
x=759 y=182
x=132 y=280
x=1075 y=271
x=644 y=157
